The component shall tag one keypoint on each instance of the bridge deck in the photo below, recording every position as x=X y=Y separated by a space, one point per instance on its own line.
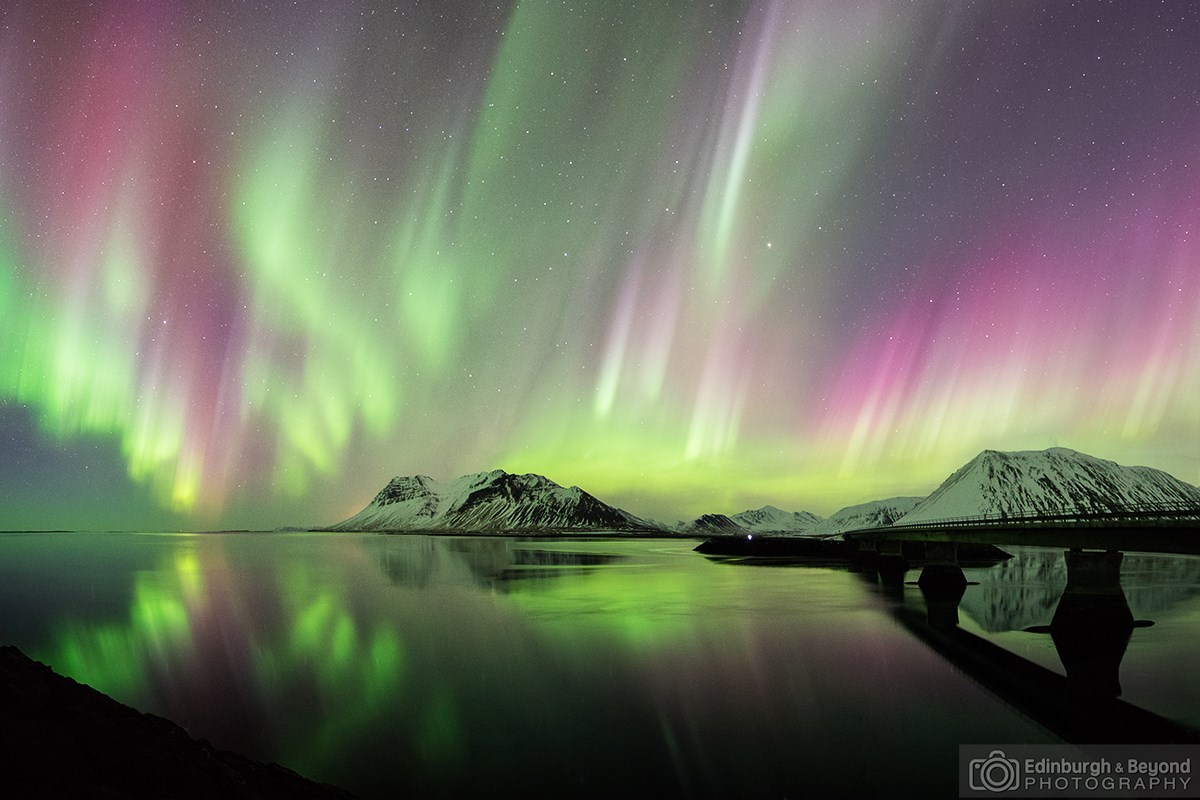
x=1183 y=538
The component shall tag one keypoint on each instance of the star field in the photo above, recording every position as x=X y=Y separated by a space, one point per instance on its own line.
x=257 y=258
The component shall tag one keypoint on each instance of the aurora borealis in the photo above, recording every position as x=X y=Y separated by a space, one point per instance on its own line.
x=257 y=258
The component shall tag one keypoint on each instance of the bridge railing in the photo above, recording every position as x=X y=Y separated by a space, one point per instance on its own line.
x=1142 y=512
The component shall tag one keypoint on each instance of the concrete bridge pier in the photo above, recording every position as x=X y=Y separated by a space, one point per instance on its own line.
x=1092 y=623
x=891 y=553
x=941 y=566
x=890 y=563
x=942 y=583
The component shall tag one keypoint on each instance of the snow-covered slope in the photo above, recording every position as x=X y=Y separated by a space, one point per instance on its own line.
x=874 y=514
x=1051 y=481
x=710 y=524
x=770 y=518
x=488 y=501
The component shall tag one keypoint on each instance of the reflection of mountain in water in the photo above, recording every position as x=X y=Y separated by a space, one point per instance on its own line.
x=1024 y=591
x=1153 y=584
x=1016 y=593
x=421 y=561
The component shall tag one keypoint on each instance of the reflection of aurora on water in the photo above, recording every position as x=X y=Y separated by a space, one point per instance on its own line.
x=270 y=645
x=335 y=658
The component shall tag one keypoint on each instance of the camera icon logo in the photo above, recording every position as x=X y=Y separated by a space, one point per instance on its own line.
x=996 y=773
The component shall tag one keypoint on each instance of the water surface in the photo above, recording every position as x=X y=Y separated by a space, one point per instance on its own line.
x=458 y=666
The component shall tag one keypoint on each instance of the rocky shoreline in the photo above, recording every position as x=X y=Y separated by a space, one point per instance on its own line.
x=61 y=738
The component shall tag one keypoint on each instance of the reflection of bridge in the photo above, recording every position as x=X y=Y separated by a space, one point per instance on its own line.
x=1082 y=707
x=1091 y=627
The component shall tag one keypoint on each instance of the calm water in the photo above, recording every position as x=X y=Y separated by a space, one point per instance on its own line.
x=466 y=666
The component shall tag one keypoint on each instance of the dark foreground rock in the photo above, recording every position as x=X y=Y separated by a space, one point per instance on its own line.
x=60 y=738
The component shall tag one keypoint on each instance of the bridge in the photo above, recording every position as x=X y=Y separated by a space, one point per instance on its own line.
x=1091 y=628
x=1094 y=544
x=1158 y=528
x=1092 y=622
x=1152 y=513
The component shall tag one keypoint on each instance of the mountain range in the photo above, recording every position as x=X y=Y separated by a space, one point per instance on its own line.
x=1056 y=480
x=874 y=514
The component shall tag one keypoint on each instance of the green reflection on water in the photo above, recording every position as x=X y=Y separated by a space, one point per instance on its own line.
x=117 y=658
x=348 y=672
x=194 y=611
x=440 y=734
x=638 y=606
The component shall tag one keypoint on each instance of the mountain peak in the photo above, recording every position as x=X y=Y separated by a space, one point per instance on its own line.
x=494 y=501
x=1052 y=481
x=403 y=488
x=874 y=514
x=759 y=520
x=711 y=524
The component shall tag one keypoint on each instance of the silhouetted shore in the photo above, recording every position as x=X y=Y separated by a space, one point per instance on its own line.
x=61 y=738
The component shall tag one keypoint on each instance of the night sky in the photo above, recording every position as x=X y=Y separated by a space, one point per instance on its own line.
x=257 y=258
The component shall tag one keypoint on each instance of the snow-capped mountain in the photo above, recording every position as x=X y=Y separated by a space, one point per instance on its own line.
x=710 y=524
x=767 y=519
x=770 y=518
x=1051 y=481
x=874 y=514
x=487 y=502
